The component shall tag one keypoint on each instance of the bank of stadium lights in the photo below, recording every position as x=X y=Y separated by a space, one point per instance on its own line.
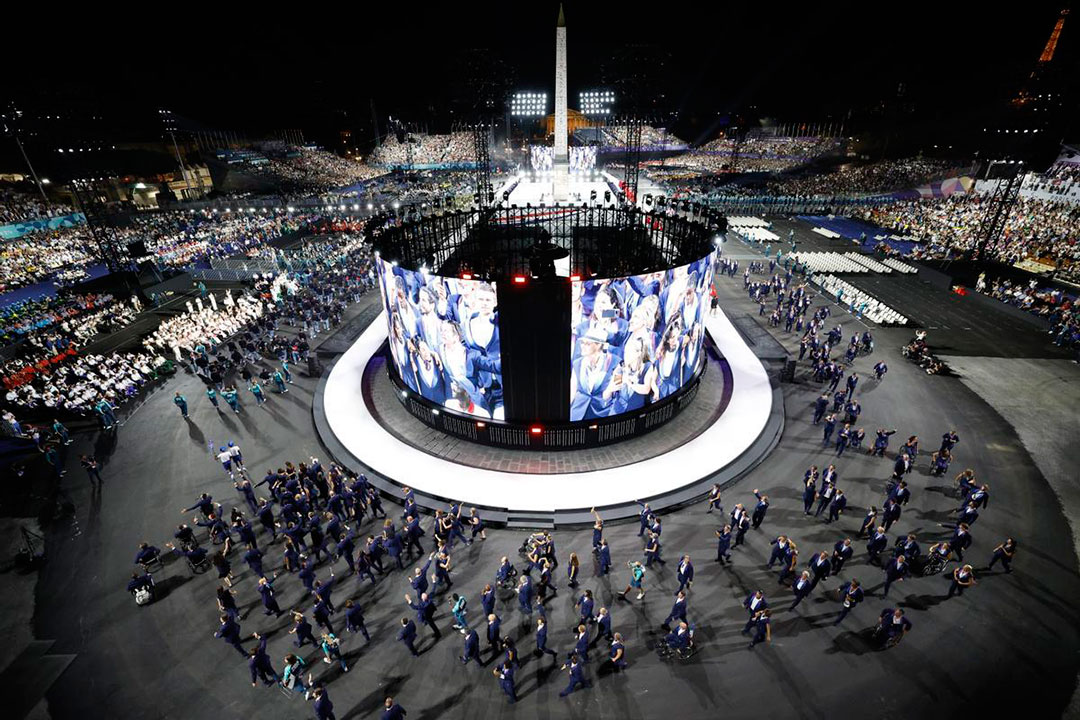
x=528 y=104
x=596 y=102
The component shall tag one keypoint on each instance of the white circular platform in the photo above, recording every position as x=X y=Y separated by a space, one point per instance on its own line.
x=739 y=427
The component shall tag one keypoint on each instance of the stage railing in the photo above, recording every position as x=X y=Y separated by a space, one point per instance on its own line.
x=500 y=242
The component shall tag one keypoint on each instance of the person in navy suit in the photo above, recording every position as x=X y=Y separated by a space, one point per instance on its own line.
x=541 y=639
x=851 y=595
x=801 y=588
x=678 y=609
x=472 y=648
x=480 y=330
x=324 y=709
x=577 y=675
x=876 y=545
x=895 y=571
x=754 y=603
x=466 y=368
x=892 y=624
x=407 y=635
x=260 y=664
x=393 y=711
x=685 y=574
x=400 y=350
x=494 y=636
x=428 y=322
x=505 y=673
x=604 y=557
x=230 y=633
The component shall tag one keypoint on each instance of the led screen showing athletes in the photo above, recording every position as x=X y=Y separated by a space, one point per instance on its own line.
x=636 y=340
x=444 y=338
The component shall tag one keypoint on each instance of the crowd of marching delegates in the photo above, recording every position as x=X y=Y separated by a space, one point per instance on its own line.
x=298 y=526
x=246 y=345
x=837 y=411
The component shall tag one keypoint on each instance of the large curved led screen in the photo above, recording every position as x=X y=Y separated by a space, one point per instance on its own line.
x=636 y=340
x=444 y=339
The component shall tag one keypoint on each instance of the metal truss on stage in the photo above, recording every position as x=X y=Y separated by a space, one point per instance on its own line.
x=501 y=242
x=482 y=158
x=632 y=157
x=91 y=197
x=1004 y=198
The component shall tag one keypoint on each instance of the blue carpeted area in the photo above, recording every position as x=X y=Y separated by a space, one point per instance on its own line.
x=855 y=229
x=45 y=288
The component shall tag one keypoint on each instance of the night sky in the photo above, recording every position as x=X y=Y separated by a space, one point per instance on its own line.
x=320 y=71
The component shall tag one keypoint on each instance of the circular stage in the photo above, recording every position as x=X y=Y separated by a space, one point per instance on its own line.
x=719 y=450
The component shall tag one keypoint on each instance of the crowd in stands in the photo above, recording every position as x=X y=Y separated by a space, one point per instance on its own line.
x=1053 y=304
x=316 y=170
x=651 y=137
x=178 y=239
x=1061 y=180
x=765 y=154
x=40 y=255
x=1043 y=231
x=419 y=189
x=175 y=238
x=422 y=149
x=29 y=317
x=79 y=383
x=17 y=205
x=877 y=177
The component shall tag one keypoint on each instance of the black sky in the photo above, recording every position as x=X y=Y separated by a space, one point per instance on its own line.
x=316 y=67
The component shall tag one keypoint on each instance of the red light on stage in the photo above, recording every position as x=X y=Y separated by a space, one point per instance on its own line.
x=536 y=429
x=519 y=279
x=575 y=278
x=466 y=276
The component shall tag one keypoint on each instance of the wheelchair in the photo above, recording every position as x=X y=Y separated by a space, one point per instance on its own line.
x=152 y=564
x=884 y=640
x=927 y=565
x=666 y=652
x=510 y=583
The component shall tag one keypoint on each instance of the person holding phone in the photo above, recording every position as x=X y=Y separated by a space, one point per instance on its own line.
x=633 y=379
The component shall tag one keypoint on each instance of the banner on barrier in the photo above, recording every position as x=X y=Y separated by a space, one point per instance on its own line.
x=17 y=230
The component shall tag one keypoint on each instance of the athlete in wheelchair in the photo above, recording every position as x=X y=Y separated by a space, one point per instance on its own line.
x=891 y=629
x=537 y=547
x=141 y=587
x=678 y=644
x=506 y=575
x=937 y=557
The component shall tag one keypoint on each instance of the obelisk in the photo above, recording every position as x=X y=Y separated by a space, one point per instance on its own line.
x=561 y=188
